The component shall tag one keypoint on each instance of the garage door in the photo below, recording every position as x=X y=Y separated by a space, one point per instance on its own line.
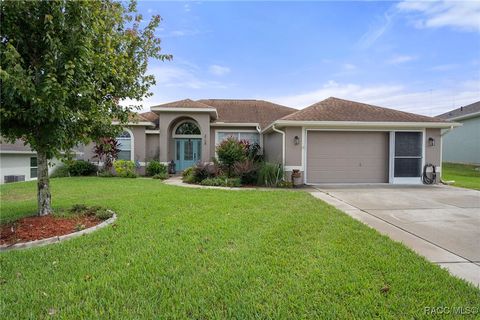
x=347 y=157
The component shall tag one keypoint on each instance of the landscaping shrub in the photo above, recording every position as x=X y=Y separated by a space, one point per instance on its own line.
x=103 y=214
x=78 y=208
x=106 y=150
x=81 y=168
x=204 y=171
x=97 y=211
x=285 y=184
x=251 y=150
x=270 y=174
x=154 y=167
x=221 y=182
x=125 y=168
x=161 y=176
x=187 y=175
x=60 y=171
x=230 y=151
x=247 y=171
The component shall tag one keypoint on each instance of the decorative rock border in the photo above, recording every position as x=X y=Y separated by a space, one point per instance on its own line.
x=43 y=242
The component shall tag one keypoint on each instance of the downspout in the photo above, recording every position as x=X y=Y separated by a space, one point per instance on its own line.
x=441 y=155
x=259 y=130
x=283 y=145
x=446 y=131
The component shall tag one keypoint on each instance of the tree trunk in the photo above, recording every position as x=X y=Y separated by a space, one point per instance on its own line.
x=43 y=188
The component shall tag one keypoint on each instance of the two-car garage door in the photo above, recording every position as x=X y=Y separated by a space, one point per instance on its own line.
x=347 y=157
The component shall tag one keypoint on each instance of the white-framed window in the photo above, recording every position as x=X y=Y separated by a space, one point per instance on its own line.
x=250 y=136
x=125 y=141
x=187 y=129
x=407 y=156
x=33 y=167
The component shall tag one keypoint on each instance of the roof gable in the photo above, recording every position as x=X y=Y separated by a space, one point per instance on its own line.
x=335 y=109
x=186 y=103
x=248 y=111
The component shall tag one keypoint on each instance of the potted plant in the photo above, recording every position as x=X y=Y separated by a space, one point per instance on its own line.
x=296 y=177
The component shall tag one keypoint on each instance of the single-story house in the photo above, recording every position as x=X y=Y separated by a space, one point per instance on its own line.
x=462 y=145
x=333 y=141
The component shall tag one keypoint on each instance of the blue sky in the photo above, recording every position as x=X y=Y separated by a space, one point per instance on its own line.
x=421 y=57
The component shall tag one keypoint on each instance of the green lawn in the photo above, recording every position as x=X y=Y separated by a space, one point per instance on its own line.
x=203 y=254
x=464 y=175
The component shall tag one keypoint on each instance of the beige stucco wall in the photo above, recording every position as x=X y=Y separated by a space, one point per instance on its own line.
x=139 y=143
x=88 y=154
x=167 y=121
x=433 y=154
x=293 y=153
x=152 y=147
x=272 y=145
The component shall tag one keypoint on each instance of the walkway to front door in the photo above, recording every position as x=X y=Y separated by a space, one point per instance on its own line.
x=187 y=152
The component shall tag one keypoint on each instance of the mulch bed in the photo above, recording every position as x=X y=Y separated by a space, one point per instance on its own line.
x=36 y=228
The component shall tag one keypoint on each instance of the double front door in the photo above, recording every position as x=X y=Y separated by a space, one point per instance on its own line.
x=187 y=152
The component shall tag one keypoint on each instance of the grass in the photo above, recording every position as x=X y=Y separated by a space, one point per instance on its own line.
x=464 y=175
x=204 y=254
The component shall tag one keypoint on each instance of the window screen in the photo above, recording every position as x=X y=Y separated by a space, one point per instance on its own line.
x=408 y=144
x=408 y=154
x=407 y=167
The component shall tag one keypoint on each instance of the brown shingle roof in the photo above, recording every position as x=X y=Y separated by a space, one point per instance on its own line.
x=187 y=103
x=151 y=116
x=247 y=111
x=334 y=109
x=462 y=111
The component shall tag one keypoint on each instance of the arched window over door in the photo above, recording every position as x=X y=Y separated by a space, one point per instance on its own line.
x=125 y=141
x=187 y=128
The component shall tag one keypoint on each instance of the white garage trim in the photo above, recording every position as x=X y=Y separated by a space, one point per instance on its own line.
x=391 y=178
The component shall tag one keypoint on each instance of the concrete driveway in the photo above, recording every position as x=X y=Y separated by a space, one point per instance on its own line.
x=441 y=223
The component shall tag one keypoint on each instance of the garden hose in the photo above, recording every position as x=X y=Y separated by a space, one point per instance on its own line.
x=426 y=179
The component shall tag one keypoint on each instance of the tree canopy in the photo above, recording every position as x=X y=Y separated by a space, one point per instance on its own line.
x=66 y=66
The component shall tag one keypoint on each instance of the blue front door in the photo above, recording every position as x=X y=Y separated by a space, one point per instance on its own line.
x=187 y=152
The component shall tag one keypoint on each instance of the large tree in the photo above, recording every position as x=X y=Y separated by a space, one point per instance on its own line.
x=65 y=67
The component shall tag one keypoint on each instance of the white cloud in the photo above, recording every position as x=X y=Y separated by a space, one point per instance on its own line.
x=463 y=15
x=218 y=70
x=377 y=30
x=398 y=59
x=444 y=67
x=349 y=66
x=183 y=33
x=399 y=97
x=184 y=78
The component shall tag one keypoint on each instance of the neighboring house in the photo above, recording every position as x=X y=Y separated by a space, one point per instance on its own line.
x=462 y=145
x=333 y=141
x=19 y=163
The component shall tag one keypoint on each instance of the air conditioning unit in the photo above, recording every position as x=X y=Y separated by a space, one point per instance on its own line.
x=13 y=178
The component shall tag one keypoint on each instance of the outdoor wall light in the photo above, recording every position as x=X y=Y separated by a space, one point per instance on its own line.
x=296 y=140
x=431 y=142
